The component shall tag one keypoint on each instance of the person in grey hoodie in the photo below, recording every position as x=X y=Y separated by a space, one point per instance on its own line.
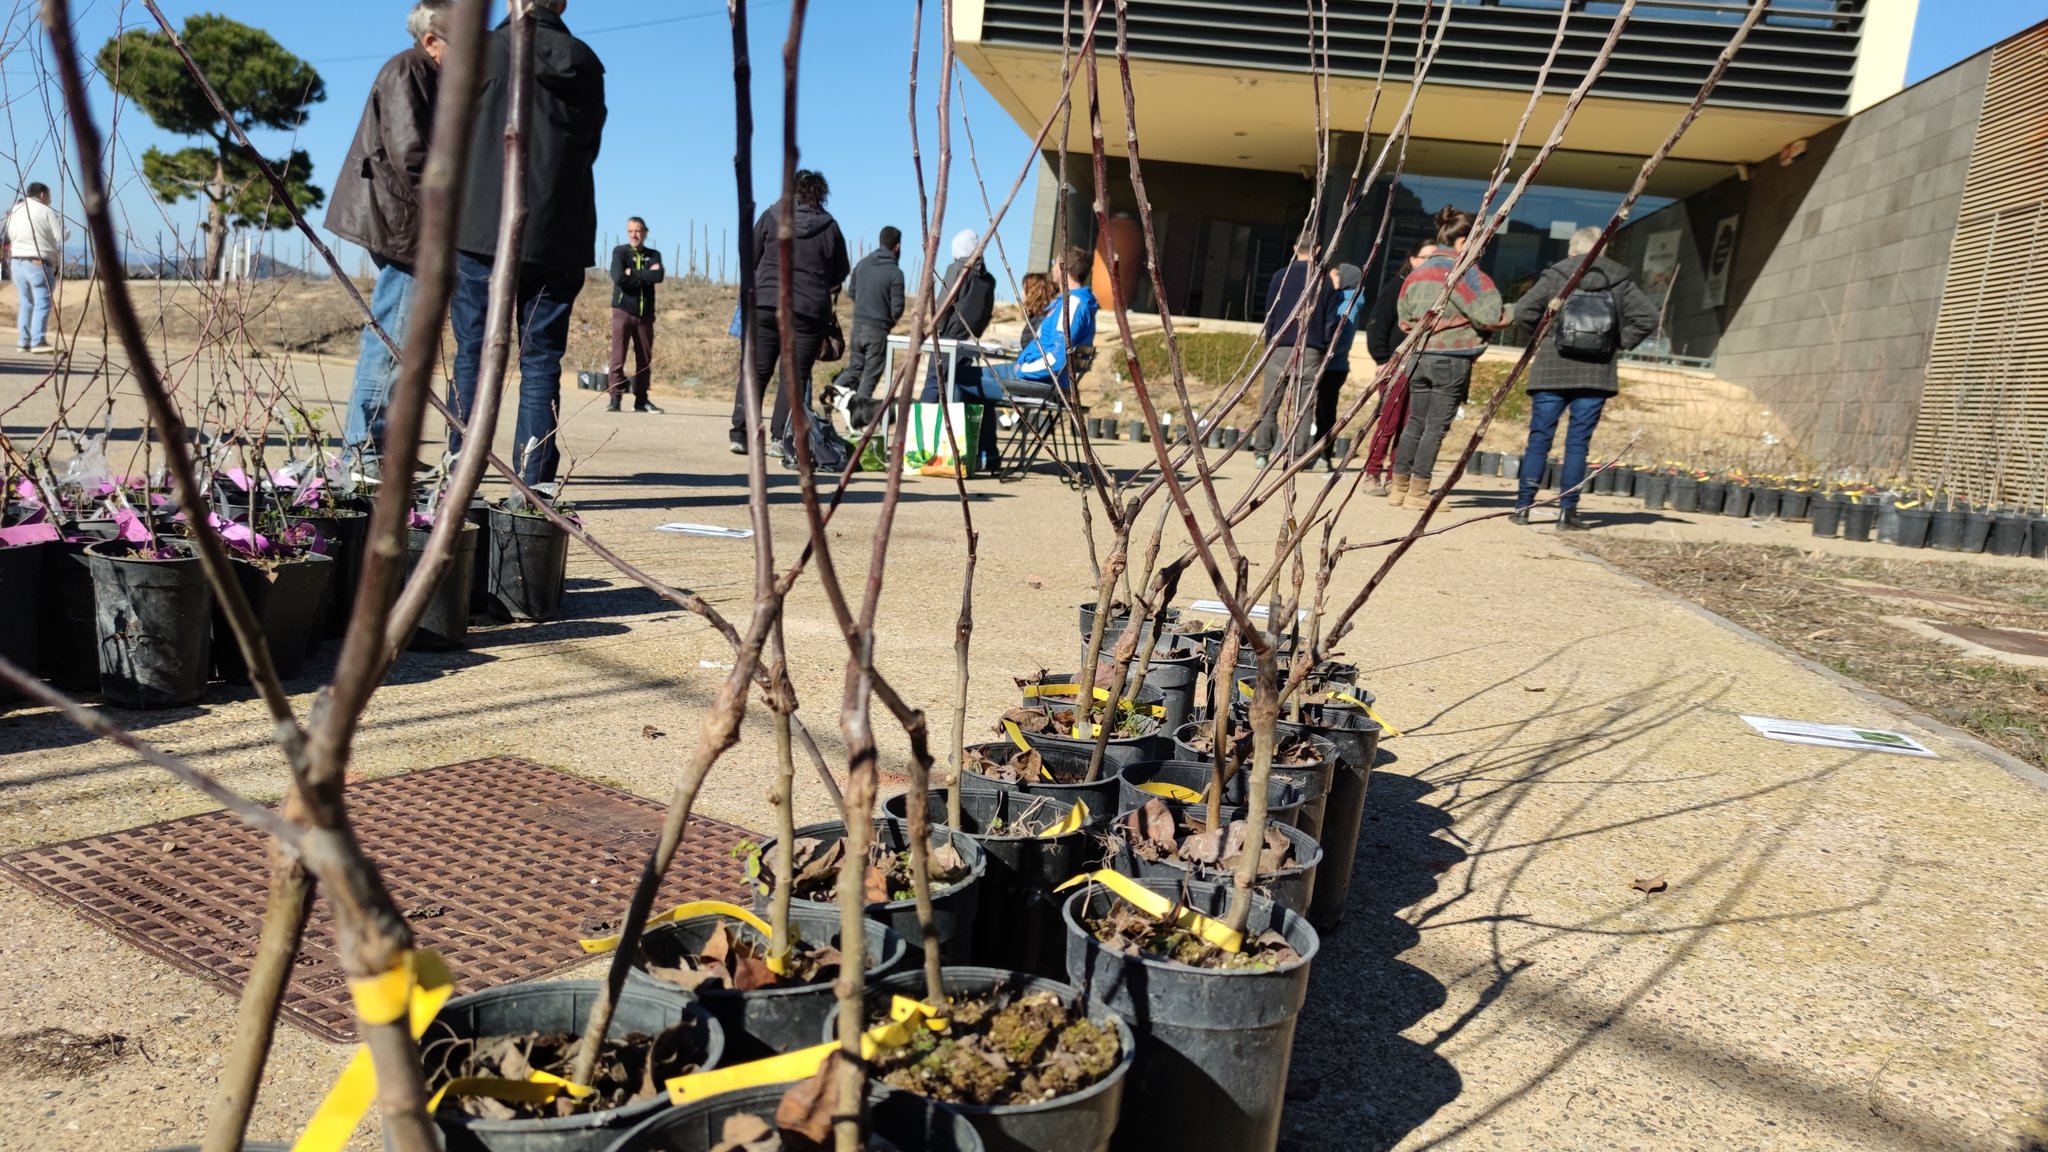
x=818 y=266
x=1575 y=380
x=877 y=291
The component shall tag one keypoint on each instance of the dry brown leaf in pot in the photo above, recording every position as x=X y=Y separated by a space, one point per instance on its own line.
x=744 y=1132
x=806 y=1109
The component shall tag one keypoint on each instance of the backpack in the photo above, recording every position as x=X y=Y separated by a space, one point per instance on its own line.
x=1588 y=326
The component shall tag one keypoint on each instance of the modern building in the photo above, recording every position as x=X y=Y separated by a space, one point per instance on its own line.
x=1821 y=236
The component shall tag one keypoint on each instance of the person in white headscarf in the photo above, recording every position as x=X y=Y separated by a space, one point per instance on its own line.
x=975 y=304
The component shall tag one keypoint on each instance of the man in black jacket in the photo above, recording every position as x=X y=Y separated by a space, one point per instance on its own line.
x=974 y=306
x=562 y=143
x=1296 y=336
x=876 y=287
x=636 y=269
x=1382 y=335
x=376 y=205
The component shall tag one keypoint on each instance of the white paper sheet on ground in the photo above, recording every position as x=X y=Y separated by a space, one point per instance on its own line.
x=711 y=530
x=1216 y=608
x=1838 y=736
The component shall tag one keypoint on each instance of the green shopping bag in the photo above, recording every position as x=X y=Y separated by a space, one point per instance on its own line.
x=929 y=442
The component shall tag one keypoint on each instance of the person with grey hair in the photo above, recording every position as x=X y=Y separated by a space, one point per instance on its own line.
x=376 y=205
x=1573 y=370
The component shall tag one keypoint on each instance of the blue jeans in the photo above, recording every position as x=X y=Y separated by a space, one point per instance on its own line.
x=32 y=282
x=544 y=299
x=376 y=368
x=1544 y=410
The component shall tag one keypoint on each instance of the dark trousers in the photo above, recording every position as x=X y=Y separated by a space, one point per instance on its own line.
x=1435 y=389
x=866 y=354
x=1544 y=410
x=1329 y=387
x=1288 y=395
x=809 y=335
x=636 y=332
x=1393 y=414
x=541 y=320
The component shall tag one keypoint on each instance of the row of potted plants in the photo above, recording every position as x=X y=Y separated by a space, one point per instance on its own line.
x=1077 y=910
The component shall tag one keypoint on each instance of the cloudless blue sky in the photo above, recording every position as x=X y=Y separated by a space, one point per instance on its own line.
x=668 y=144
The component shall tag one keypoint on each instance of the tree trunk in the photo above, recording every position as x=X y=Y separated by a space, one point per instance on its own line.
x=217 y=215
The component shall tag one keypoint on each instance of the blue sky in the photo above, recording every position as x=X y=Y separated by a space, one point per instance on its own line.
x=668 y=144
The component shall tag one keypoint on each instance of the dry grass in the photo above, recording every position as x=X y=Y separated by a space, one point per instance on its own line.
x=1794 y=598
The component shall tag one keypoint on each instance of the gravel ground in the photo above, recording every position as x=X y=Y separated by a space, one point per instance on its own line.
x=1848 y=952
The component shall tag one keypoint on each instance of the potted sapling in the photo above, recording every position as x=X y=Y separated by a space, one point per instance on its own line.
x=284 y=575
x=153 y=613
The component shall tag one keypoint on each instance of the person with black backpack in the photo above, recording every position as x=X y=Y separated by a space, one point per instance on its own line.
x=1573 y=370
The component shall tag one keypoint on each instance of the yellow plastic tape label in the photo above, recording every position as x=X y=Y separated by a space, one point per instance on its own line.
x=1171 y=791
x=1075 y=817
x=1069 y=691
x=1390 y=732
x=1017 y=738
x=906 y=1016
x=428 y=987
x=538 y=1088
x=700 y=908
x=1160 y=908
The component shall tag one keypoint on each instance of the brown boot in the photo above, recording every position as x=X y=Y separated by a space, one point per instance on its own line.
x=1397 y=491
x=1418 y=490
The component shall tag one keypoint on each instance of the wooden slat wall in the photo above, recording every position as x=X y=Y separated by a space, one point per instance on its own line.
x=1983 y=424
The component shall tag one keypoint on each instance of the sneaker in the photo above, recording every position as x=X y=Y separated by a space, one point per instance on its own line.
x=1568 y=521
x=1521 y=517
x=1260 y=459
x=736 y=447
x=43 y=348
x=1379 y=486
x=646 y=406
x=1323 y=464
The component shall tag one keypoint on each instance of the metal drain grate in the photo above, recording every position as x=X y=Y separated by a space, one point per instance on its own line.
x=502 y=864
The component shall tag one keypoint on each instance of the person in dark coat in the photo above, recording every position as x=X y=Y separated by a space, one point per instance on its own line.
x=1576 y=384
x=1383 y=335
x=876 y=287
x=376 y=204
x=566 y=131
x=974 y=306
x=635 y=270
x=818 y=266
x=1297 y=335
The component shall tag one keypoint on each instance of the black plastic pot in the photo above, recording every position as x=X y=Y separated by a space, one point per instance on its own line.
x=1887 y=531
x=2037 y=537
x=1213 y=1045
x=1313 y=779
x=1794 y=504
x=21 y=590
x=1913 y=525
x=1655 y=489
x=1356 y=737
x=1858 y=519
x=1017 y=921
x=1603 y=481
x=1827 y=515
x=1685 y=494
x=529 y=560
x=1293 y=886
x=1736 y=502
x=953 y=906
x=480 y=599
x=445 y=623
x=898 y=1122
x=1713 y=494
x=767 y=1021
x=1625 y=482
x=1101 y=794
x=154 y=620
x=561 y=1006
x=1483 y=463
x=286 y=599
x=1976 y=531
x=1763 y=502
x=71 y=640
x=1175 y=676
x=2008 y=534
x=1081 y=1122
x=1550 y=472
x=1119 y=751
x=1283 y=797
x=1139 y=432
x=346 y=532
x=1945 y=529
x=1118 y=622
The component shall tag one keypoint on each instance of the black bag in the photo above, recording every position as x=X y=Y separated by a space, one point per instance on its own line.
x=1588 y=326
x=830 y=452
x=832 y=349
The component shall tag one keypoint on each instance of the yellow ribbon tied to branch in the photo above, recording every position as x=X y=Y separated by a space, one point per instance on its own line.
x=418 y=987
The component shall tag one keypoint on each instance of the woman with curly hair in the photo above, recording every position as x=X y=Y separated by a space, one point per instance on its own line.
x=817 y=267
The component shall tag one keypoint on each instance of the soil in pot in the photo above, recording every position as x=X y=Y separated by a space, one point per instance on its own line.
x=528 y=563
x=153 y=611
x=286 y=594
x=625 y=1072
x=1161 y=843
x=957 y=865
x=1183 y=786
x=1215 y=1030
x=1060 y=770
x=1132 y=735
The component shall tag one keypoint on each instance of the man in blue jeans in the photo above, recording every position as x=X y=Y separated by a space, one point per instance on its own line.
x=564 y=135
x=376 y=204
x=1573 y=371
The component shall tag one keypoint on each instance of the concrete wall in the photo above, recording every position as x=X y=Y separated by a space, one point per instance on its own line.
x=1837 y=277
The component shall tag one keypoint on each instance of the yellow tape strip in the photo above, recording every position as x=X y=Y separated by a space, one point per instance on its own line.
x=699 y=908
x=1072 y=822
x=537 y=1088
x=1068 y=691
x=1159 y=908
x=1017 y=738
x=906 y=1016
x=1172 y=791
x=1388 y=731
x=429 y=985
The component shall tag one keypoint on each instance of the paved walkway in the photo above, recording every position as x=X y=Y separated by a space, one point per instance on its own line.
x=1850 y=953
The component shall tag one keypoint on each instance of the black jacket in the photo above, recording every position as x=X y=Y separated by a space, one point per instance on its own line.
x=561 y=150
x=376 y=193
x=634 y=275
x=1383 y=327
x=974 y=307
x=818 y=261
x=1637 y=313
x=877 y=290
x=1318 y=326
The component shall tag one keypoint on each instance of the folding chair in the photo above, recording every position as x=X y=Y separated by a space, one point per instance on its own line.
x=1047 y=428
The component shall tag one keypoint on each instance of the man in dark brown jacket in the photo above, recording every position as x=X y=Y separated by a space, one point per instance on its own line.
x=376 y=205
